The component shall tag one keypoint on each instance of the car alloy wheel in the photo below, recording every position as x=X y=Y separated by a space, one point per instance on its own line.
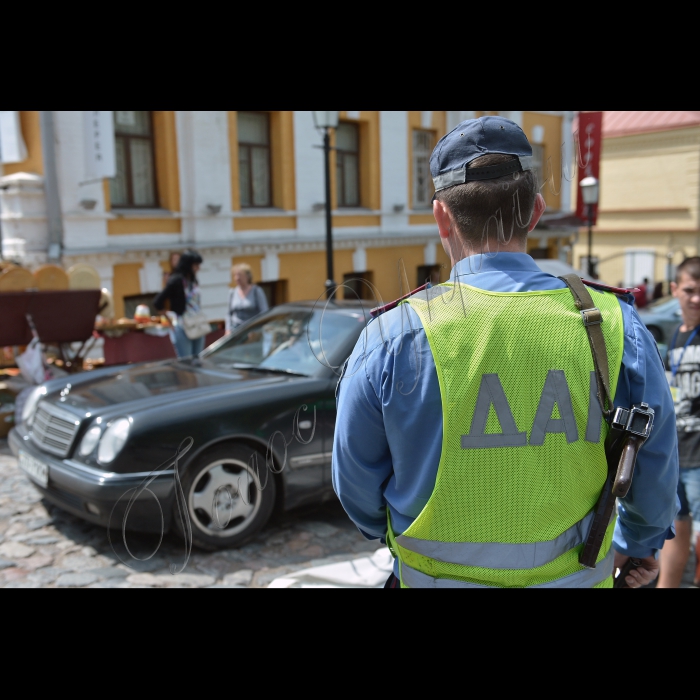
x=227 y=503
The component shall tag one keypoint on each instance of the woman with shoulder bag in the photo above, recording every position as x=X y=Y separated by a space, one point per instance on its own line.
x=245 y=300
x=182 y=289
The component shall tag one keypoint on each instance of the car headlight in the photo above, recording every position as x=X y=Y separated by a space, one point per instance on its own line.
x=113 y=440
x=31 y=403
x=90 y=439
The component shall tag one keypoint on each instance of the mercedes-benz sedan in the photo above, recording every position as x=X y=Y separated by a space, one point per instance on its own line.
x=258 y=405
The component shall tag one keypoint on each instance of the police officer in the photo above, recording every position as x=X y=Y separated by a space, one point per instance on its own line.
x=469 y=436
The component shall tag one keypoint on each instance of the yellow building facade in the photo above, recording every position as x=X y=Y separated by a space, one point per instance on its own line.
x=249 y=187
x=649 y=202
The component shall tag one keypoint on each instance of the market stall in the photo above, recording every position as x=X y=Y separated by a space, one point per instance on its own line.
x=128 y=340
x=60 y=317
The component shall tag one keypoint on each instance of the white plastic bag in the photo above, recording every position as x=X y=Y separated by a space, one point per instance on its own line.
x=31 y=363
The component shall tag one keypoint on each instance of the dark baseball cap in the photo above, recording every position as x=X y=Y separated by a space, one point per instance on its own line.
x=474 y=138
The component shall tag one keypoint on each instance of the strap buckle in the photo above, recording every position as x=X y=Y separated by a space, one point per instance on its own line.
x=592 y=316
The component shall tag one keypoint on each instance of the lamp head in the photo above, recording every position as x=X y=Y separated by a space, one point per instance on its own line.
x=589 y=190
x=325 y=120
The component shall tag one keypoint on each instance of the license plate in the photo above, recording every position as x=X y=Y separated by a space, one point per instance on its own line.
x=37 y=470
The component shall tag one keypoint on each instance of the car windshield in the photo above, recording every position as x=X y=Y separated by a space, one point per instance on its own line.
x=667 y=303
x=298 y=341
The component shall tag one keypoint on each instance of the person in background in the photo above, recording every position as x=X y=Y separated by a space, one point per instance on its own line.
x=245 y=300
x=640 y=296
x=172 y=261
x=658 y=291
x=182 y=290
x=682 y=371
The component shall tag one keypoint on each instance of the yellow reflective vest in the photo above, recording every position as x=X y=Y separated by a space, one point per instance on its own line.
x=523 y=460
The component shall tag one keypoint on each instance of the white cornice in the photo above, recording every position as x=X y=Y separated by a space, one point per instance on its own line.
x=112 y=256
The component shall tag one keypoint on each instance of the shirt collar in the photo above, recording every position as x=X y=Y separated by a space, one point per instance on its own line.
x=494 y=262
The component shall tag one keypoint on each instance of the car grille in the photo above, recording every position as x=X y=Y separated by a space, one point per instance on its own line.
x=53 y=429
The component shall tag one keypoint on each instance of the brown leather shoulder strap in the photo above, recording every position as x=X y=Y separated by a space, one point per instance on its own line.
x=592 y=319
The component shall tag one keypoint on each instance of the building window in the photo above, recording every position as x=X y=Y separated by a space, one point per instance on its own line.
x=359 y=285
x=275 y=292
x=135 y=182
x=428 y=273
x=347 y=144
x=640 y=263
x=422 y=181
x=254 y=159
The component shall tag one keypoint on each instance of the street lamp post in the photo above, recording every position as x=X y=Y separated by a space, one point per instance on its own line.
x=589 y=193
x=327 y=121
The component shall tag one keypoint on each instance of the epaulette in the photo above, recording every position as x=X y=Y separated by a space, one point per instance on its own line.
x=608 y=288
x=377 y=310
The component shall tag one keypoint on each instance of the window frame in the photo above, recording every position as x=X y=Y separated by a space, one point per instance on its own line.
x=248 y=147
x=430 y=191
x=275 y=292
x=362 y=291
x=426 y=273
x=127 y=164
x=340 y=169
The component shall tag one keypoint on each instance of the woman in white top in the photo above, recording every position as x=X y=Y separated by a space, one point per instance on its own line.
x=245 y=300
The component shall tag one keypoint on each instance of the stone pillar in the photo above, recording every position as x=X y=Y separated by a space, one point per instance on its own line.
x=25 y=231
x=270 y=267
x=214 y=281
x=430 y=254
x=393 y=142
x=309 y=176
x=205 y=176
x=359 y=260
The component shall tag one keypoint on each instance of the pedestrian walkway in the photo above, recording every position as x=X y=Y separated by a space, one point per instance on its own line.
x=370 y=571
x=314 y=547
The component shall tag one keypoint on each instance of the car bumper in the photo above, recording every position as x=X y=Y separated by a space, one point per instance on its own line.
x=97 y=496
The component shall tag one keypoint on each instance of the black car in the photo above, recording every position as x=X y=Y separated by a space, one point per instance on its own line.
x=256 y=409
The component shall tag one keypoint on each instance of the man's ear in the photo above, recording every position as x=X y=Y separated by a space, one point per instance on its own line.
x=674 y=288
x=442 y=218
x=540 y=206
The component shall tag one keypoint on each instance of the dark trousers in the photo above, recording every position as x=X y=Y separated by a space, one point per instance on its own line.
x=392 y=582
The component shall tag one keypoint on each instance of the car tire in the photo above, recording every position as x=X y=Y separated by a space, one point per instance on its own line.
x=656 y=333
x=220 y=516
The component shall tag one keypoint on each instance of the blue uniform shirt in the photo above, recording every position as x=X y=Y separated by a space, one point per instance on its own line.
x=388 y=435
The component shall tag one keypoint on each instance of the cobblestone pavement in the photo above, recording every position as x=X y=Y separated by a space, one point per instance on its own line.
x=43 y=546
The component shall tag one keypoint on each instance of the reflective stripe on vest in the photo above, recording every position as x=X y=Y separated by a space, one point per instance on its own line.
x=500 y=555
x=580 y=579
x=522 y=461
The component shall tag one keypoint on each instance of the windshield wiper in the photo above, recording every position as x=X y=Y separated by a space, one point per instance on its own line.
x=258 y=368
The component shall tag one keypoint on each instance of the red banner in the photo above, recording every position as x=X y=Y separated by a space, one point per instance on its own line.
x=587 y=144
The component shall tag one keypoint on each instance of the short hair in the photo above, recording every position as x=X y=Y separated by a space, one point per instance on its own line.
x=691 y=266
x=492 y=209
x=243 y=267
